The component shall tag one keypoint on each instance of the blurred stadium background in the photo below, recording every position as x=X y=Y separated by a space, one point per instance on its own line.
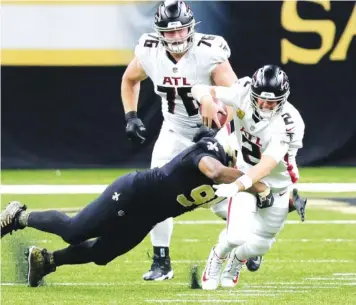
x=62 y=126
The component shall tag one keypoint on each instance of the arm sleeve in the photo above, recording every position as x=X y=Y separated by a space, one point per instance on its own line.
x=228 y=95
x=277 y=147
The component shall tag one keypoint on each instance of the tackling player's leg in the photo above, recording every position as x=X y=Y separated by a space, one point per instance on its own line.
x=100 y=251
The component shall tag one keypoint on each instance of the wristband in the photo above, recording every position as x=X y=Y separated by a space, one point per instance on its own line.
x=199 y=91
x=246 y=181
x=131 y=115
x=265 y=193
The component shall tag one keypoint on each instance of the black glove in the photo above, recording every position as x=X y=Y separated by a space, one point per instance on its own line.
x=298 y=204
x=135 y=130
x=265 y=199
x=204 y=131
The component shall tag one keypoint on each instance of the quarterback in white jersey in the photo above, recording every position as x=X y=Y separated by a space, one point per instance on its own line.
x=175 y=58
x=269 y=131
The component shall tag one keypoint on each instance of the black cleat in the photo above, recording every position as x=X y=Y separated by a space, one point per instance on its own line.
x=9 y=218
x=40 y=263
x=254 y=263
x=161 y=269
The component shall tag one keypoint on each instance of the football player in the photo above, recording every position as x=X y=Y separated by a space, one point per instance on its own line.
x=174 y=57
x=126 y=211
x=269 y=131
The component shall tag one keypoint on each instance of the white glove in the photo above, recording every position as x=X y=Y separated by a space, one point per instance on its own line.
x=226 y=190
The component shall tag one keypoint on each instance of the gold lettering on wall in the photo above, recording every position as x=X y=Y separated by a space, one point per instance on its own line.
x=325 y=28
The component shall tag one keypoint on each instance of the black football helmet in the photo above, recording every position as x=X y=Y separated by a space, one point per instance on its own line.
x=269 y=83
x=174 y=15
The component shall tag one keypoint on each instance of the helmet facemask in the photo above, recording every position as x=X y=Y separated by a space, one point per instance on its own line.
x=269 y=97
x=176 y=45
x=271 y=85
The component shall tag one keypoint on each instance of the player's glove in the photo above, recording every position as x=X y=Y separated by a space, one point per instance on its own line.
x=226 y=190
x=135 y=130
x=265 y=199
x=298 y=204
x=204 y=131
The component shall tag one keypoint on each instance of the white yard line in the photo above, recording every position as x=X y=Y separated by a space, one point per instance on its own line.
x=290 y=222
x=282 y=240
x=135 y=284
x=237 y=292
x=324 y=240
x=312 y=261
x=330 y=278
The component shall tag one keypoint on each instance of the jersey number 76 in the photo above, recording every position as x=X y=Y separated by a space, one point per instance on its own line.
x=184 y=93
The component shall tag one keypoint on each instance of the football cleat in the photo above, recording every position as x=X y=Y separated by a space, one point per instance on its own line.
x=40 y=263
x=211 y=275
x=161 y=269
x=9 y=218
x=254 y=263
x=231 y=274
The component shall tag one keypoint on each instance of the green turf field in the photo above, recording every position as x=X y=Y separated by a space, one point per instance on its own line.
x=309 y=263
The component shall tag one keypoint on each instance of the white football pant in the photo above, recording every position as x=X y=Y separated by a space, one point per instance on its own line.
x=251 y=229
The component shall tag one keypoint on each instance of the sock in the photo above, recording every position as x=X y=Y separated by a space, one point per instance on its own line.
x=161 y=251
x=161 y=233
x=23 y=218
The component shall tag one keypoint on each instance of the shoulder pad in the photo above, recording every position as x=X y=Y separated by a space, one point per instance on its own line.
x=212 y=146
x=294 y=124
x=212 y=49
x=146 y=50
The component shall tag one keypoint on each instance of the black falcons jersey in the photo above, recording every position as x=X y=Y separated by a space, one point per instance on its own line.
x=179 y=186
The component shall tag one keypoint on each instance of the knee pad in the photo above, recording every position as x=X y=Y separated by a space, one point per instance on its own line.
x=101 y=258
x=260 y=246
x=236 y=239
x=71 y=237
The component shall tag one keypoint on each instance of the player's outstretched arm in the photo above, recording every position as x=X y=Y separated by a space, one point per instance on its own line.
x=216 y=171
x=130 y=84
x=224 y=75
x=269 y=160
x=219 y=173
x=130 y=89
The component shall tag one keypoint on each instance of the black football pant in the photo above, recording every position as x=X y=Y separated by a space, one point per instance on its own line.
x=116 y=222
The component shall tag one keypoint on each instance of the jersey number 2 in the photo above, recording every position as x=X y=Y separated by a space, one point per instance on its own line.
x=203 y=194
x=250 y=151
x=183 y=92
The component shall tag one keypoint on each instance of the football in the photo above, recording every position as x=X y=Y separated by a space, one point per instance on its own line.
x=222 y=117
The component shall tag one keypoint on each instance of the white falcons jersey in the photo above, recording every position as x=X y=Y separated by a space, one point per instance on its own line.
x=173 y=80
x=279 y=137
